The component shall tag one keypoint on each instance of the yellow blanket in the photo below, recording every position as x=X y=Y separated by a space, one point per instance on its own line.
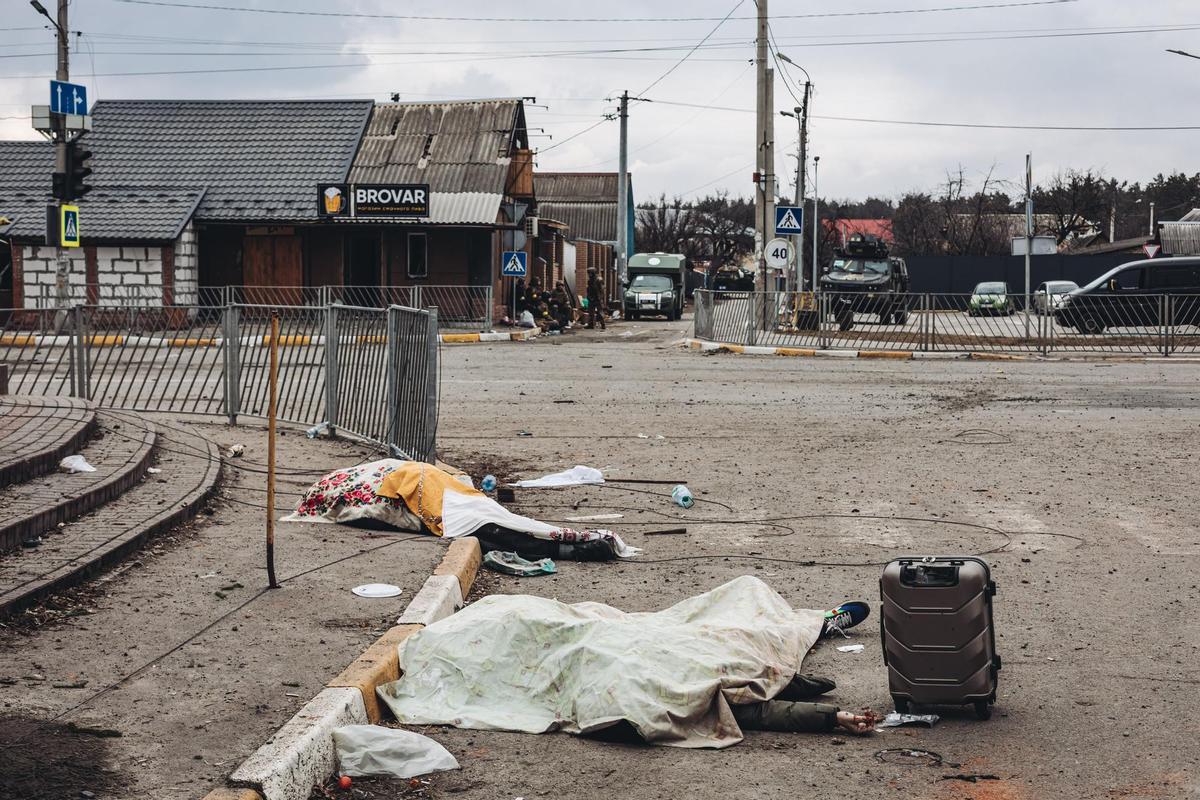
x=421 y=487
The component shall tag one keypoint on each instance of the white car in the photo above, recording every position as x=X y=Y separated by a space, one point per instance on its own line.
x=1055 y=291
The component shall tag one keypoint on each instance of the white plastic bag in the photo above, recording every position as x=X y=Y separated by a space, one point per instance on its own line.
x=576 y=476
x=73 y=464
x=364 y=750
x=527 y=320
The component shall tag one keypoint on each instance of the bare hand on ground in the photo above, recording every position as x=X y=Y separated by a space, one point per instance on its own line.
x=858 y=724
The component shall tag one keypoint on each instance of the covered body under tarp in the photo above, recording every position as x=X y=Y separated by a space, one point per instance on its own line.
x=533 y=665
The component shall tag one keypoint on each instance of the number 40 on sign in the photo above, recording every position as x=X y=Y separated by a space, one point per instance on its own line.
x=780 y=253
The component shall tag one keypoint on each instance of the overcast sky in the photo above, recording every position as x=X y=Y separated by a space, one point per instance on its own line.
x=896 y=66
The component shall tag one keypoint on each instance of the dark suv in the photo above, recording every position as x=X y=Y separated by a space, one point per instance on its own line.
x=865 y=279
x=1131 y=296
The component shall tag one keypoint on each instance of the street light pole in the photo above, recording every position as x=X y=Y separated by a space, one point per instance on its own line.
x=816 y=236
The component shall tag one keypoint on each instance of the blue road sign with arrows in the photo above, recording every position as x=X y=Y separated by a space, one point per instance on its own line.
x=68 y=98
x=514 y=264
x=789 y=220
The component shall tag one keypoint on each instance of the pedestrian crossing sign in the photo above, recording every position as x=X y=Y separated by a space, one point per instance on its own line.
x=513 y=264
x=789 y=220
x=69 y=225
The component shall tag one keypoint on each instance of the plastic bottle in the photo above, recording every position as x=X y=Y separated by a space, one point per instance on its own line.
x=488 y=483
x=682 y=496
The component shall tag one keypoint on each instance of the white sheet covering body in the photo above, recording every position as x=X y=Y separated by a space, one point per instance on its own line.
x=463 y=514
x=530 y=664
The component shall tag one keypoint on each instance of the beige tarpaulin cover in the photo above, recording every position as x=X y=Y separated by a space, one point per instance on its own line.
x=530 y=664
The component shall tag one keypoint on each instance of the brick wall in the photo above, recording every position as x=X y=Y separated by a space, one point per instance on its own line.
x=186 y=274
x=122 y=275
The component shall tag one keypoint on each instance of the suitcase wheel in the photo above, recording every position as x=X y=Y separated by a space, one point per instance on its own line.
x=983 y=709
x=902 y=705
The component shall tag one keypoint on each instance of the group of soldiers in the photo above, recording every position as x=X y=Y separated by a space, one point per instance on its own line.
x=555 y=310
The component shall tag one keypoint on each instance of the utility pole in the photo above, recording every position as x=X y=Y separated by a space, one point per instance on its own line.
x=801 y=169
x=764 y=195
x=816 y=232
x=623 y=197
x=1028 y=231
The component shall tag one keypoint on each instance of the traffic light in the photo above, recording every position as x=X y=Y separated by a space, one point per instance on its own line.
x=59 y=183
x=77 y=170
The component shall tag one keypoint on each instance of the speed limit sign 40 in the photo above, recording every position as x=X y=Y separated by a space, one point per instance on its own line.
x=780 y=253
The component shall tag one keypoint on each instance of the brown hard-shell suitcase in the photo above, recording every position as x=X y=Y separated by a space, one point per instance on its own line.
x=939 y=642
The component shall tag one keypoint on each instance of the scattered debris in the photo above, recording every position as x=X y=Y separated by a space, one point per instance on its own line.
x=377 y=590
x=513 y=564
x=153 y=471
x=236 y=450
x=666 y=532
x=72 y=685
x=895 y=720
x=851 y=648
x=682 y=496
x=970 y=778
x=594 y=518
x=907 y=756
x=74 y=464
x=364 y=750
x=576 y=476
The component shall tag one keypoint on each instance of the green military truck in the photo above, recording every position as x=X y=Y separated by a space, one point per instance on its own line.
x=656 y=285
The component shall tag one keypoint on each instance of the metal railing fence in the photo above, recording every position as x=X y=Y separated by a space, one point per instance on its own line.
x=459 y=307
x=1137 y=323
x=363 y=371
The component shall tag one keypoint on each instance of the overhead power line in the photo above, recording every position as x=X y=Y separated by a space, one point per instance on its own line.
x=934 y=124
x=590 y=20
x=309 y=46
x=574 y=135
x=689 y=53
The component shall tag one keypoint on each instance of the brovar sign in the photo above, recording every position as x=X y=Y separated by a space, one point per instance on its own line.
x=391 y=200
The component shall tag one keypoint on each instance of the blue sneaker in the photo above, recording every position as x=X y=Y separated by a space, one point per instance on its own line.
x=844 y=617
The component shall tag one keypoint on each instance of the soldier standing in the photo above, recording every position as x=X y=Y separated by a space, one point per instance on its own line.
x=595 y=294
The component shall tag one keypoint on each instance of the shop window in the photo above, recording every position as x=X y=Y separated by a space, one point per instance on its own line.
x=418 y=255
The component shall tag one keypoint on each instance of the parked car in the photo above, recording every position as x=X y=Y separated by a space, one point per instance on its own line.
x=1049 y=295
x=991 y=297
x=1139 y=293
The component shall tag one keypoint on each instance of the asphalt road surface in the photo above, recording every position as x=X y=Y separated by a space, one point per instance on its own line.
x=1074 y=479
x=1071 y=477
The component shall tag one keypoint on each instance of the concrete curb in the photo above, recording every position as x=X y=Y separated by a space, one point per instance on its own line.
x=523 y=335
x=918 y=355
x=301 y=755
x=439 y=598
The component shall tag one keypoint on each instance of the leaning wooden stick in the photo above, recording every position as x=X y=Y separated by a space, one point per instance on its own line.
x=271 y=410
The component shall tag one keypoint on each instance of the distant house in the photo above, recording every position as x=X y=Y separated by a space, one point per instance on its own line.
x=1181 y=238
x=587 y=204
x=845 y=228
x=193 y=196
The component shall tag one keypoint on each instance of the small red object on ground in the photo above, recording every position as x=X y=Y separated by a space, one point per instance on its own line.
x=344 y=782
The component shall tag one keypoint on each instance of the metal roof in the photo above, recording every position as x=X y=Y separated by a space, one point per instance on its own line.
x=253 y=161
x=460 y=148
x=596 y=222
x=586 y=201
x=111 y=214
x=447 y=208
x=1180 y=238
x=576 y=186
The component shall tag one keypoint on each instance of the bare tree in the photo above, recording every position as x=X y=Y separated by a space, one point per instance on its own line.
x=665 y=227
x=1073 y=203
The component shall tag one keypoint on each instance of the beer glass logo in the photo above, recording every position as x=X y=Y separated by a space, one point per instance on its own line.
x=333 y=200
